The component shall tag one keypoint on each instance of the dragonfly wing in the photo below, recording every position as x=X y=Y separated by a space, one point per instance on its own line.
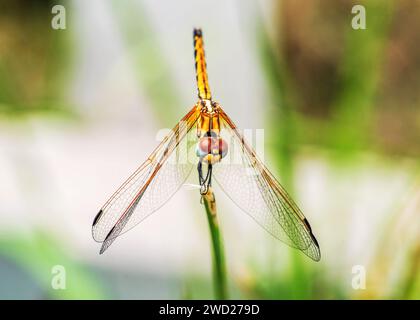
x=250 y=185
x=150 y=186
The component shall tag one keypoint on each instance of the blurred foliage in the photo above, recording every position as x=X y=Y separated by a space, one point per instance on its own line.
x=347 y=87
x=34 y=58
x=329 y=86
x=36 y=255
x=150 y=66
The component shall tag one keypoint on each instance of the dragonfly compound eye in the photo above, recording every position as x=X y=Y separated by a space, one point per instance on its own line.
x=211 y=149
x=223 y=147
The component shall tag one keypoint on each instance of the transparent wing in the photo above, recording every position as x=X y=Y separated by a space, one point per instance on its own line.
x=249 y=184
x=150 y=186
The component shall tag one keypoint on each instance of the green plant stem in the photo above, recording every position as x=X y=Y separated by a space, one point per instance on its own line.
x=219 y=268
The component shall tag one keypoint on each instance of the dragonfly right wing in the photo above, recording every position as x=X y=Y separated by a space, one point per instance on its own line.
x=249 y=184
x=149 y=187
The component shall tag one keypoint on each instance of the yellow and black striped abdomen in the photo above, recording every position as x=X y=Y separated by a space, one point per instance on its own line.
x=200 y=66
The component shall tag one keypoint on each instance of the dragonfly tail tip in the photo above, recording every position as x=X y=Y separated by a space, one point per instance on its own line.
x=197 y=32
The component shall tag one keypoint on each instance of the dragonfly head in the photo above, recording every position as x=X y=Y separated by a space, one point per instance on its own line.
x=211 y=149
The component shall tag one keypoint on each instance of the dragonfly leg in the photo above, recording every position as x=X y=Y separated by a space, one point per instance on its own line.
x=209 y=172
x=205 y=182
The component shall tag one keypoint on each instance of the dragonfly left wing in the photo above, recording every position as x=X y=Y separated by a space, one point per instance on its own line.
x=249 y=184
x=149 y=187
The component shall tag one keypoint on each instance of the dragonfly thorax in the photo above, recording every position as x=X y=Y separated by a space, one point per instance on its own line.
x=207 y=106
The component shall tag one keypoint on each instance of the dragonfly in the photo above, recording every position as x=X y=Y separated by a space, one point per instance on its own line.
x=220 y=153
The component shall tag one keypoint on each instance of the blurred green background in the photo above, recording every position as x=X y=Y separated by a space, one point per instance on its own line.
x=80 y=109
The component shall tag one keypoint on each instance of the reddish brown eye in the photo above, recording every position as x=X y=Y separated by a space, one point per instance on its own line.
x=223 y=147
x=211 y=146
x=205 y=146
